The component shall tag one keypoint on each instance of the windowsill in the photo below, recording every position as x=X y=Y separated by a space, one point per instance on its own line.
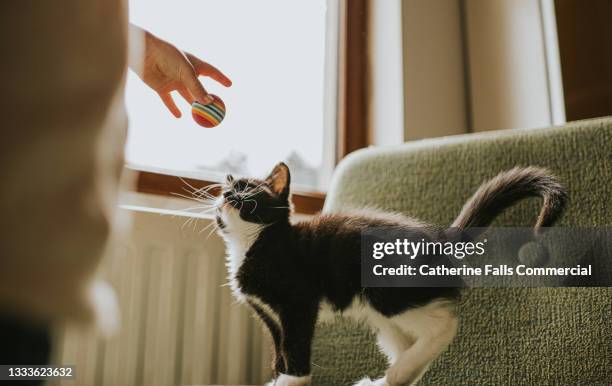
x=166 y=212
x=163 y=205
x=162 y=183
x=173 y=206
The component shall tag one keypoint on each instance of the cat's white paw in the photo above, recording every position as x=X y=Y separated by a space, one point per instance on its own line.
x=289 y=380
x=369 y=382
x=364 y=382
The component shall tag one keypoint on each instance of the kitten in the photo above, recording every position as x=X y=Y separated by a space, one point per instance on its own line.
x=292 y=274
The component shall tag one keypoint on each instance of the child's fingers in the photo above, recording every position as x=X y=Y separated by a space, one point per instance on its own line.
x=169 y=102
x=206 y=69
x=186 y=95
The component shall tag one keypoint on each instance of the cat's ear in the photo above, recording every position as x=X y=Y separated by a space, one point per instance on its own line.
x=229 y=179
x=279 y=179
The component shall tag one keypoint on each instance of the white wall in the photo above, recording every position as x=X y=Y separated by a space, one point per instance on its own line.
x=507 y=65
x=434 y=88
x=476 y=65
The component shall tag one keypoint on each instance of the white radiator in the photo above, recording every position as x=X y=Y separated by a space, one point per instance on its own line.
x=180 y=325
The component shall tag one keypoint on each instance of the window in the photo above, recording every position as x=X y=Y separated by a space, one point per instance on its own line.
x=276 y=53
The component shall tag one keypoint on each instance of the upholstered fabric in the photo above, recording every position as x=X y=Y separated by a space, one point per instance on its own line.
x=507 y=336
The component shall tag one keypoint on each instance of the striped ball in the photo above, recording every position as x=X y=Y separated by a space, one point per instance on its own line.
x=209 y=115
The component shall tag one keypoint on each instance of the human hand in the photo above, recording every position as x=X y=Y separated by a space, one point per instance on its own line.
x=167 y=68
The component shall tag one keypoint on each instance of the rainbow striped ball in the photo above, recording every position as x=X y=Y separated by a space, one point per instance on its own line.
x=209 y=115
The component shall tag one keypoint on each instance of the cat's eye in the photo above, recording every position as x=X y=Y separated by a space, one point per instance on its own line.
x=238 y=187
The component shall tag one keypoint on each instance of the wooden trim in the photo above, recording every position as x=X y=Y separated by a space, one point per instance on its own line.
x=168 y=185
x=353 y=77
x=585 y=51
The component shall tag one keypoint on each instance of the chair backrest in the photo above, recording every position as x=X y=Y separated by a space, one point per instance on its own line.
x=507 y=336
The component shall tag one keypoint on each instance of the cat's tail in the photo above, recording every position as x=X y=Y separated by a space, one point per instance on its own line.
x=507 y=188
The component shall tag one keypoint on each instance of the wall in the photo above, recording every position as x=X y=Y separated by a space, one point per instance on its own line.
x=434 y=81
x=507 y=65
x=478 y=65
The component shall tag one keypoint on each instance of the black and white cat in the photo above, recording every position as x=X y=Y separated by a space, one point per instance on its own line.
x=292 y=274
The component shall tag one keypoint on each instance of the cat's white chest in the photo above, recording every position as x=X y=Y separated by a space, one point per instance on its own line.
x=239 y=236
x=236 y=253
x=235 y=257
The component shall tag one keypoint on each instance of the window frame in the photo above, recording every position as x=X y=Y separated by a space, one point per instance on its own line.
x=352 y=116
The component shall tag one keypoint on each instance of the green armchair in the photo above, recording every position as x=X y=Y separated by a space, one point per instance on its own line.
x=508 y=336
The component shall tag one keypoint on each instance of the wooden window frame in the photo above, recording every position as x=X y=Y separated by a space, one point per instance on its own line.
x=585 y=53
x=353 y=77
x=304 y=202
x=352 y=113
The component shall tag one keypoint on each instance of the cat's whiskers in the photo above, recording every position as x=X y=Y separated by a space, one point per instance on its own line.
x=204 y=197
x=255 y=207
x=197 y=199
x=250 y=181
x=194 y=219
x=212 y=223
x=214 y=228
x=252 y=191
x=188 y=184
x=201 y=195
x=199 y=192
x=206 y=207
x=189 y=219
x=258 y=186
x=210 y=187
x=206 y=191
